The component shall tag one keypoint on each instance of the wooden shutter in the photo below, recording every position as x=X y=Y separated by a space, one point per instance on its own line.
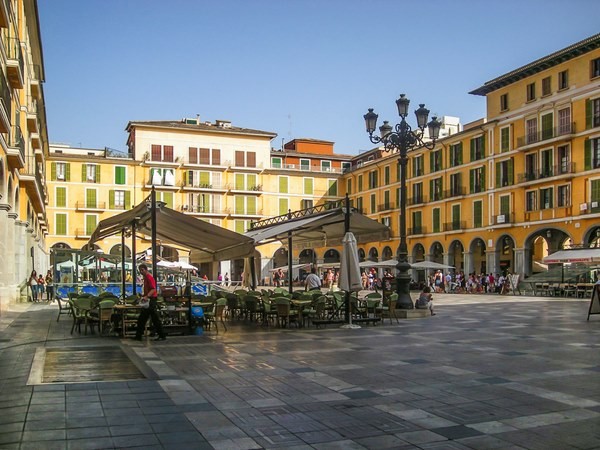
x=67 y=171
x=472 y=181
x=90 y=225
x=431 y=163
x=332 y=191
x=90 y=198
x=477 y=214
x=216 y=157
x=168 y=153
x=111 y=199
x=193 y=155
x=459 y=149
x=251 y=159
x=239 y=204
x=189 y=178
x=510 y=171
x=483 y=178
x=283 y=206
x=156 y=153
x=431 y=191
x=119 y=175
x=97 y=180
x=53 y=171
x=472 y=142
x=168 y=199
x=436 y=220
x=587 y=145
x=588 y=114
x=251 y=205
x=483 y=153
x=283 y=185
x=84 y=173
x=251 y=181
x=61 y=224
x=204 y=156
x=308 y=186
x=204 y=179
x=498 y=174
x=240 y=181
x=127 y=199
x=240 y=159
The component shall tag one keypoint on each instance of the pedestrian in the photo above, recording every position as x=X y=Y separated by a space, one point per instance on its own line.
x=33 y=285
x=148 y=303
x=49 y=286
x=425 y=300
x=312 y=281
x=226 y=278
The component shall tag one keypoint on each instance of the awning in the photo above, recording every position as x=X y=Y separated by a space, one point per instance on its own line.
x=321 y=230
x=423 y=265
x=579 y=255
x=388 y=263
x=207 y=242
x=294 y=267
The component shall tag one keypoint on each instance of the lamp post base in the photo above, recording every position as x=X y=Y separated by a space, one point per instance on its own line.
x=403 y=287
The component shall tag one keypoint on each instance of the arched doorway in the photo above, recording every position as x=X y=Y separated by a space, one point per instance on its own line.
x=331 y=256
x=593 y=238
x=361 y=255
x=280 y=257
x=506 y=254
x=437 y=253
x=456 y=255
x=307 y=256
x=116 y=251
x=386 y=254
x=373 y=254
x=418 y=255
x=478 y=256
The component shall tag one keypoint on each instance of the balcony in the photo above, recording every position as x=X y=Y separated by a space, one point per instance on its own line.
x=14 y=62
x=312 y=168
x=5 y=13
x=256 y=190
x=90 y=206
x=544 y=135
x=32 y=117
x=5 y=104
x=503 y=219
x=16 y=149
x=416 y=200
x=417 y=230
x=32 y=176
x=533 y=175
x=455 y=225
x=209 y=187
x=589 y=207
x=205 y=210
x=36 y=89
x=385 y=207
x=455 y=191
x=82 y=233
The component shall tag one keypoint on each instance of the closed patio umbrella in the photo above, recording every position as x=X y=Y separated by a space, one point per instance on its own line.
x=350 y=279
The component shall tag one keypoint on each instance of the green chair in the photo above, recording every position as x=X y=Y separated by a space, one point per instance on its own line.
x=215 y=313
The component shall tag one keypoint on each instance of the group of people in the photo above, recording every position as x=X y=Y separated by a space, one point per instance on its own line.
x=372 y=282
x=38 y=284
x=484 y=283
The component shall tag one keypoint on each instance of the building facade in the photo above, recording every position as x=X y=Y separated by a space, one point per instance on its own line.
x=23 y=146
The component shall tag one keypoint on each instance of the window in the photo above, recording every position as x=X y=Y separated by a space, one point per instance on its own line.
x=435 y=189
x=346 y=167
x=325 y=166
x=91 y=221
x=564 y=159
x=276 y=163
x=332 y=190
x=61 y=197
x=504 y=173
x=204 y=156
x=546 y=164
x=283 y=185
x=250 y=159
x=359 y=204
x=564 y=121
x=563 y=80
x=61 y=224
x=386 y=221
x=308 y=186
x=456 y=217
x=60 y=171
x=90 y=198
x=417 y=193
x=418 y=167
x=546 y=86
x=120 y=175
x=477 y=214
x=162 y=177
x=546 y=195
x=216 y=157
x=531 y=130
x=349 y=186
x=547 y=126
x=504 y=102
x=595 y=192
x=531 y=169
x=373 y=179
x=306 y=204
x=435 y=161
x=530 y=92
x=241 y=226
x=305 y=164
x=386 y=201
x=162 y=153
x=505 y=205
x=360 y=183
x=595 y=68
x=417 y=223
x=373 y=204
x=398 y=195
x=436 y=220
x=456 y=154
x=477 y=180
x=477 y=148
x=592 y=113
x=244 y=159
x=505 y=139
x=592 y=154
x=563 y=196
x=455 y=185
x=386 y=175
x=531 y=200
x=90 y=173
x=119 y=201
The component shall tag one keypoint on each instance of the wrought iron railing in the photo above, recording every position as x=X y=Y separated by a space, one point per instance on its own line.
x=298 y=214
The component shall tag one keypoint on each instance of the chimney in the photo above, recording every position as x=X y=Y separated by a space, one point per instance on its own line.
x=197 y=119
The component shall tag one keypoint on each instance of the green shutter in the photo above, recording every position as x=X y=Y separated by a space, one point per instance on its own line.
x=61 y=197
x=436 y=220
x=239 y=226
x=204 y=178
x=483 y=178
x=83 y=172
x=498 y=174
x=168 y=199
x=111 y=199
x=595 y=190
x=398 y=197
x=283 y=206
x=472 y=181
x=239 y=204
x=90 y=225
x=127 y=199
x=119 y=175
x=251 y=181
x=239 y=181
x=53 y=171
x=477 y=214
x=332 y=190
x=588 y=154
x=472 y=150
x=459 y=149
x=251 y=205
x=360 y=183
x=431 y=191
x=61 y=224
x=510 y=171
x=483 y=153
x=97 y=173
x=283 y=185
x=504 y=204
x=588 y=114
x=431 y=164
x=68 y=172
x=308 y=186
x=90 y=198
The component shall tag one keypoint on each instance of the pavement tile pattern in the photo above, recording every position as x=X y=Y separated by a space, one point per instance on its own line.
x=486 y=372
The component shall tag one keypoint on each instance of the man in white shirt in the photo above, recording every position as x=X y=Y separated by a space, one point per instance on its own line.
x=312 y=282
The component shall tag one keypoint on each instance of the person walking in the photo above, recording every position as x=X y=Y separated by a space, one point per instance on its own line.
x=312 y=281
x=41 y=284
x=149 y=310
x=49 y=287
x=33 y=285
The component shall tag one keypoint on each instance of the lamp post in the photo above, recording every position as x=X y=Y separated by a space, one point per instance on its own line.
x=400 y=139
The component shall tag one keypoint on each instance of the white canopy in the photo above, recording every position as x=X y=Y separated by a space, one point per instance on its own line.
x=430 y=265
x=294 y=267
x=388 y=263
x=578 y=255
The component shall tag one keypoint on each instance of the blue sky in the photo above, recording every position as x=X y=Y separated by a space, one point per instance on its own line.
x=299 y=68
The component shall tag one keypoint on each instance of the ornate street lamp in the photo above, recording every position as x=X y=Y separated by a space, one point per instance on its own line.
x=400 y=139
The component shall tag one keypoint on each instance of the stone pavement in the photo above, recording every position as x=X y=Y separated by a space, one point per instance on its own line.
x=486 y=372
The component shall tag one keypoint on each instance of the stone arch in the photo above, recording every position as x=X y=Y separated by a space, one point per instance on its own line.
x=61 y=246
x=418 y=253
x=436 y=252
x=478 y=251
x=91 y=248
x=456 y=255
x=542 y=243
x=592 y=237
x=373 y=254
x=386 y=253
x=331 y=256
x=307 y=256
x=280 y=257
x=361 y=255
x=116 y=251
x=505 y=246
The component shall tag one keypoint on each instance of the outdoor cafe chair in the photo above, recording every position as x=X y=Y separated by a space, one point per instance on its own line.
x=80 y=309
x=390 y=309
x=251 y=307
x=215 y=313
x=105 y=315
x=285 y=313
x=63 y=307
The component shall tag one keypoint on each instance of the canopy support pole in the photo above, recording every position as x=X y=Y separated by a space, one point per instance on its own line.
x=154 y=254
x=290 y=274
x=123 y=270
x=347 y=230
x=133 y=261
x=252 y=273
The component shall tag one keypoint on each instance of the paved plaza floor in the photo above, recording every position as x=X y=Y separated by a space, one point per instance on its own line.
x=486 y=372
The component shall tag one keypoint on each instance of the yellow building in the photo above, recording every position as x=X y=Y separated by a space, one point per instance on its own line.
x=23 y=146
x=508 y=189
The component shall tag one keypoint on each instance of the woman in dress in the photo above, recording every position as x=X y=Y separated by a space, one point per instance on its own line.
x=33 y=285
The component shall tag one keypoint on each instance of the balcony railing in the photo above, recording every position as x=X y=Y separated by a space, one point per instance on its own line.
x=501 y=219
x=311 y=168
x=589 y=207
x=455 y=225
x=455 y=191
x=209 y=186
x=15 y=64
x=416 y=200
x=84 y=205
x=197 y=209
x=33 y=177
x=417 y=230
x=385 y=207
x=561 y=169
x=5 y=115
x=544 y=135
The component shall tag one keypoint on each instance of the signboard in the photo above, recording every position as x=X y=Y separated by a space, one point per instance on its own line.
x=513 y=280
x=595 y=301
